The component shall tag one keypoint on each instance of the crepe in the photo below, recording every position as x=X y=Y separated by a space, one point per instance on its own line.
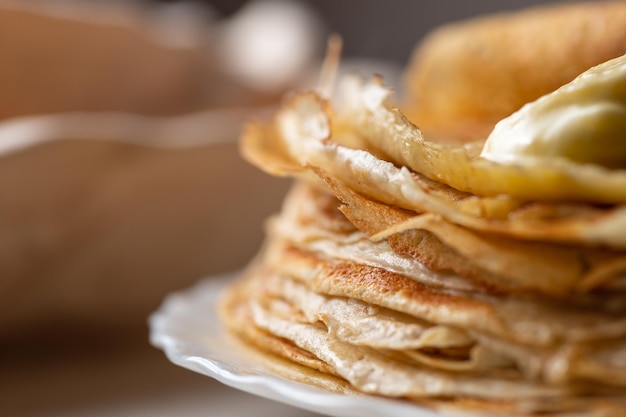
x=420 y=270
x=316 y=284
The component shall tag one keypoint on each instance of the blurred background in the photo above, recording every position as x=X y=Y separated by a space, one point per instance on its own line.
x=120 y=179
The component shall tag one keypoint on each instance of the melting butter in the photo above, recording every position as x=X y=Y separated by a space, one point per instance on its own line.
x=583 y=121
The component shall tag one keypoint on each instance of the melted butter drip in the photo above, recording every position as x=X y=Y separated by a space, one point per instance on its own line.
x=583 y=121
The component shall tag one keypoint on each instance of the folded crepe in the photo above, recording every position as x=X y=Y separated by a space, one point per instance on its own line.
x=409 y=267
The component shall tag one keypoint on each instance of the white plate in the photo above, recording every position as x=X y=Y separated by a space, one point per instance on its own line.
x=187 y=329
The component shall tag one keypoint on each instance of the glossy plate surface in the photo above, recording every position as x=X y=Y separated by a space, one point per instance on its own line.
x=186 y=327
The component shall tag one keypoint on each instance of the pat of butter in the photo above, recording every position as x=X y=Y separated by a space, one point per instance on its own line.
x=583 y=121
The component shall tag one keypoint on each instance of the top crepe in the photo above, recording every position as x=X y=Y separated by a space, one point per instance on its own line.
x=378 y=152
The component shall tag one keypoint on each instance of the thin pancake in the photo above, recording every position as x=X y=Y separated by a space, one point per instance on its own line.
x=361 y=324
x=549 y=268
x=527 y=321
x=378 y=373
x=300 y=137
x=477 y=262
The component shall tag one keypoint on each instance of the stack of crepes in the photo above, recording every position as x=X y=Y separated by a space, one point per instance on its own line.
x=404 y=267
